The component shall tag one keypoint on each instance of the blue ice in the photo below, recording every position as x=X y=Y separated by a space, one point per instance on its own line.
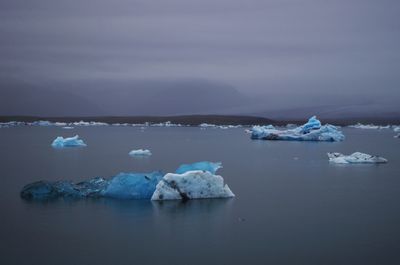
x=61 y=142
x=204 y=165
x=310 y=131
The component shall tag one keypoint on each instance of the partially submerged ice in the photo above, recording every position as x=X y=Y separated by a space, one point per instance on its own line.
x=355 y=158
x=121 y=186
x=192 y=184
x=140 y=152
x=61 y=142
x=310 y=131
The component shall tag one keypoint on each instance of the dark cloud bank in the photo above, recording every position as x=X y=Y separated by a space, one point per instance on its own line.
x=277 y=58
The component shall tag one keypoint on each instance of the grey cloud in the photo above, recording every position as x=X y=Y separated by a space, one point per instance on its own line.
x=330 y=50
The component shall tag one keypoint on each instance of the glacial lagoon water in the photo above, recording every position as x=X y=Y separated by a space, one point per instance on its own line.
x=291 y=206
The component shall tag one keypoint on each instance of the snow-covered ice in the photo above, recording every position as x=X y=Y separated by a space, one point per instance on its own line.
x=140 y=152
x=61 y=142
x=355 y=158
x=310 y=131
x=197 y=184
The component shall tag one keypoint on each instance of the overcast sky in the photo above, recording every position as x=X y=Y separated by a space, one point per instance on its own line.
x=310 y=48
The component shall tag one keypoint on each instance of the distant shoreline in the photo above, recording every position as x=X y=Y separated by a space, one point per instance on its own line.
x=194 y=120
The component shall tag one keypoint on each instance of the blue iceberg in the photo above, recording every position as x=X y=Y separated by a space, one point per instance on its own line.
x=121 y=186
x=61 y=142
x=132 y=185
x=204 y=165
x=311 y=131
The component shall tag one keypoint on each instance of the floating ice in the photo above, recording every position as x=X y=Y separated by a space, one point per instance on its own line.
x=311 y=131
x=140 y=152
x=68 y=127
x=355 y=158
x=396 y=128
x=132 y=185
x=61 y=142
x=204 y=166
x=397 y=135
x=191 y=185
x=41 y=123
x=121 y=186
x=368 y=126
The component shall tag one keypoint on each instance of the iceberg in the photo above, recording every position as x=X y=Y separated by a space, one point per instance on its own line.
x=310 y=131
x=121 y=186
x=204 y=166
x=396 y=128
x=196 y=184
x=190 y=183
x=355 y=158
x=61 y=142
x=140 y=152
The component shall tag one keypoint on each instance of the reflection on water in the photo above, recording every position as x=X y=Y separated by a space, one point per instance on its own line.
x=291 y=207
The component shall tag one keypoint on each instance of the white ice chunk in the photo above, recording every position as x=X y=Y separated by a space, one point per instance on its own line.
x=369 y=126
x=196 y=184
x=355 y=158
x=61 y=142
x=140 y=152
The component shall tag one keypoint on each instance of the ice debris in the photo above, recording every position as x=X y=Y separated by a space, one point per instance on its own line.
x=140 y=152
x=310 y=131
x=61 y=142
x=355 y=158
x=368 y=126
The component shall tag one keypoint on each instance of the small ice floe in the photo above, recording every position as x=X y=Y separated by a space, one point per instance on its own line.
x=61 y=142
x=41 y=123
x=355 y=158
x=11 y=124
x=310 y=131
x=68 y=127
x=207 y=125
x=396 y=128
x=140 y=152
x=368 y=126
x=397 y=135
x=193 y=183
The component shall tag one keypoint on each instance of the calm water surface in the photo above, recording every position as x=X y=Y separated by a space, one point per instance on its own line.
x=291 y=205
